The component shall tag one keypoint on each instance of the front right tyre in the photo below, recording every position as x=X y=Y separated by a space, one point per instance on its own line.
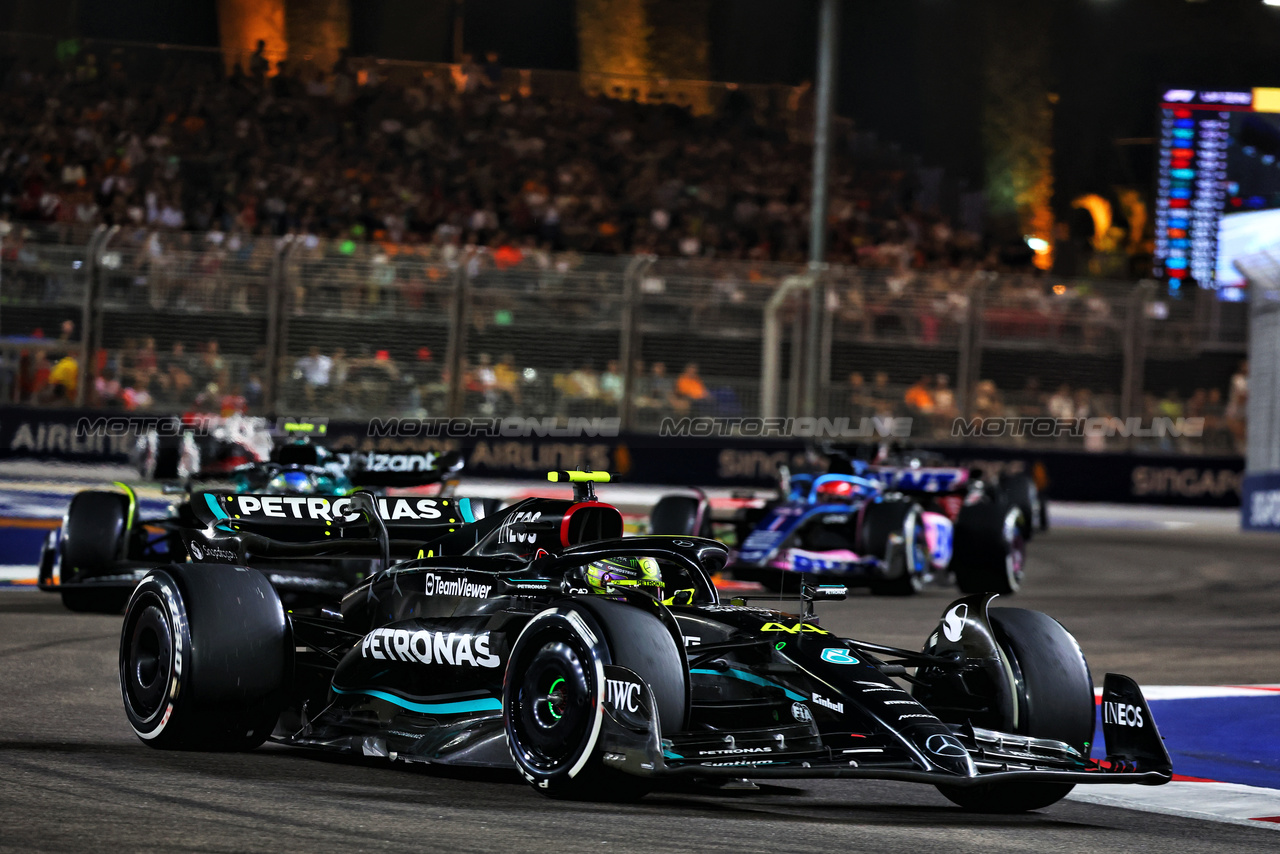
x=93 y=538
x=204 y=658
x=1054 y=700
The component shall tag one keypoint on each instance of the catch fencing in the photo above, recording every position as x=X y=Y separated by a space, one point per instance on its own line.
x=304 y=325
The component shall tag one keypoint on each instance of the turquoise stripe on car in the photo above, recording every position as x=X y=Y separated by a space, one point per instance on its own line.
x=488 y=704
x=753 y=679
x=215 y=506
x=464 y=506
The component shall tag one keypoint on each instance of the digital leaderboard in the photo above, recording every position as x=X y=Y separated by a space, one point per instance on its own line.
x=1192 y=181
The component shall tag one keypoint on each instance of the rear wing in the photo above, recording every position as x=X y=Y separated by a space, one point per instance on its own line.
x=321 y=511
x=937 y=480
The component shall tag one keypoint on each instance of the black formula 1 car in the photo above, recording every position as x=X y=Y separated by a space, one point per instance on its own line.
x=540 y=640
x=105 y=546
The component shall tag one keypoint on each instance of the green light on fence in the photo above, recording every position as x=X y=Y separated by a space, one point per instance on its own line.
x=347 y=247
x=502 y=317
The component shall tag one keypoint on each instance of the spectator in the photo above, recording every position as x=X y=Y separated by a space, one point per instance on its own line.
x=64 y=377
x=583 y=383
x=507 y=380
x=944 y=399
x=106 y=389
x=178 y=380
x=860 y=402
x=611 y=383
x=259 y=64
x=1061 y=405
x=919 y=397
x=661 y=390
x=689 y=385
x=316 y=371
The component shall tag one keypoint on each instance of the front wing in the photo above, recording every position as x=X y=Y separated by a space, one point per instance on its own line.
x=632 y=743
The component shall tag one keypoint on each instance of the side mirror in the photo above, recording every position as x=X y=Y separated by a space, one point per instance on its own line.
x=821 y=593
x=825 y=593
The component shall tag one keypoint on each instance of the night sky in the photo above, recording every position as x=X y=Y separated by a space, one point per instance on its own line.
x=910 y=69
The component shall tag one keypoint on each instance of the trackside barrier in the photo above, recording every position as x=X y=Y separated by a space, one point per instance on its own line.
x=1171 y=479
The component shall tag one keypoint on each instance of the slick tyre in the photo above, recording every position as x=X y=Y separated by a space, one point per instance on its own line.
x=159 y=458
x=204 y=658
x=990 y=548
x=678 y=515
x=93 y=538
x=1055 y=700
x=1022 y=493
x=894 y=531
x=554 y=694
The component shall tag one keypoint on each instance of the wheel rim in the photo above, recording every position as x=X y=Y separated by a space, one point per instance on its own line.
x=917 y=551
x=1016 y=554
x=148 y=665
x=554 y=705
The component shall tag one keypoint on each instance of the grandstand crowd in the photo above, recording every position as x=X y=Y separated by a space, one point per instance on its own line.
x=455 y=160
x=400 y=178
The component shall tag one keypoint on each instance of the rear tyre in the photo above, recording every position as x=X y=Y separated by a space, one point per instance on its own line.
x=990 y=548
x=204 y=658
x=678 y=515
x=1022 y=493
x=1055 y=700
x=93 y=538
x=894 y=530
x=554 y=694
x=159 y=457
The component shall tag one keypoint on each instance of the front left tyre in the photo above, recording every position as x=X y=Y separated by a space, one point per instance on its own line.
x=554 y=694
x=204 y=658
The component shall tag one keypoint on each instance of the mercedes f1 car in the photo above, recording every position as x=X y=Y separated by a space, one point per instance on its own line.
x=104 y=546
x=540 y=640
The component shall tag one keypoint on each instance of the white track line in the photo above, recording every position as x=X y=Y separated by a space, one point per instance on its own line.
x=1231 y=803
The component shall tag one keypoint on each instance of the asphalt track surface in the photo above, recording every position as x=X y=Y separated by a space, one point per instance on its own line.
x=1166 y=607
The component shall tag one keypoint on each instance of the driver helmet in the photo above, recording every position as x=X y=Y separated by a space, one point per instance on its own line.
x=642 y=572
x=839 y=491
x=625 y=572
x=290 y=482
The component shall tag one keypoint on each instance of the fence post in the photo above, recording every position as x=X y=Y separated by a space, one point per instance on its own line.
x=91 y=314
x=771 y=345
x=456 y=349
x=1135 y=351
x=822 y=291
x=970 y=364
x=279 y=299
x=629 y=341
